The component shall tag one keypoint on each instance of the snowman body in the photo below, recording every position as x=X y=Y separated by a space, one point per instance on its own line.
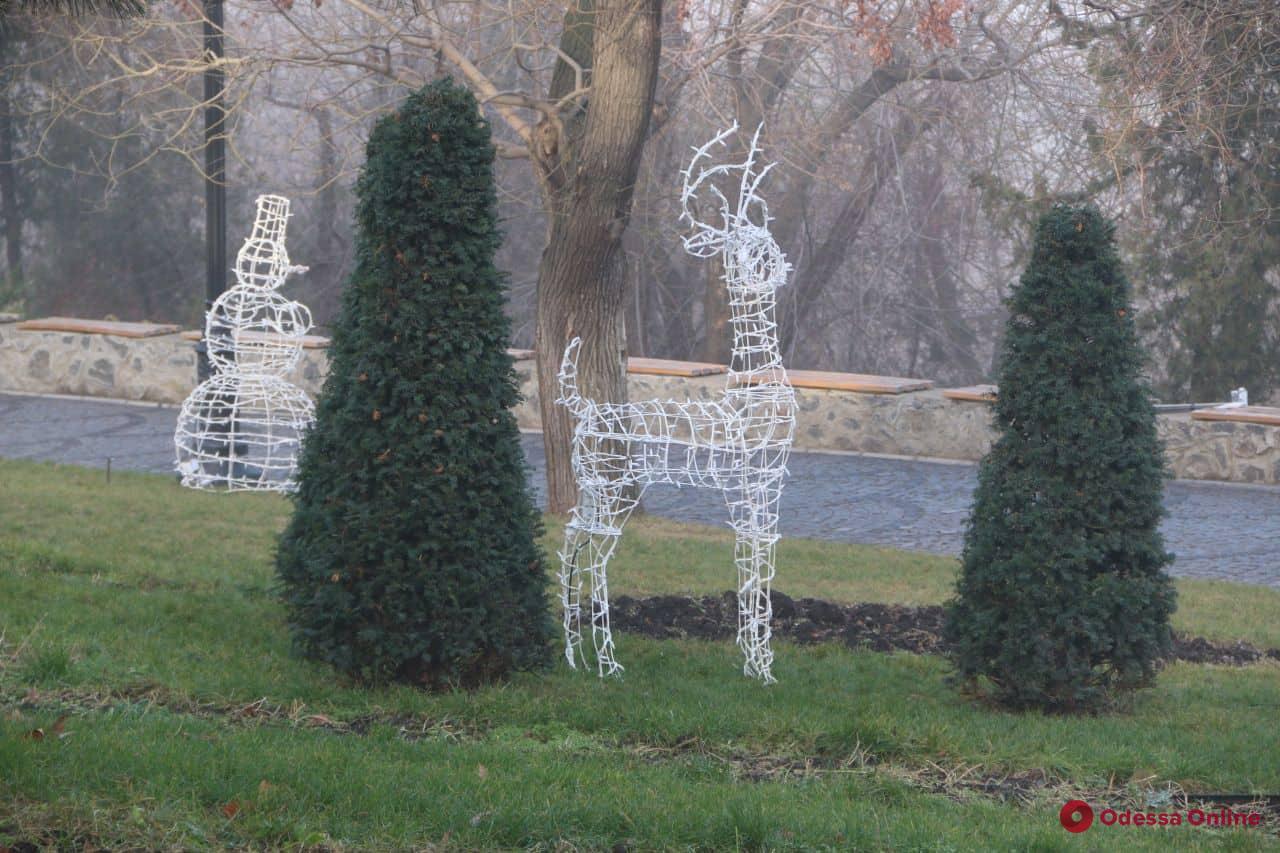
x=242 y=429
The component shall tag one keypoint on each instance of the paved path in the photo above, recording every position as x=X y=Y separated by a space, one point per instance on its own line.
x=1217 y=530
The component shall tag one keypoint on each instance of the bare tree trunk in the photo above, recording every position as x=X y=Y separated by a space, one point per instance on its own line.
x=327 y=178
x=9 y=181
x=955 y=342
x=327 y=270
x=813 y=277
x=755 y=94
x=9 y=192
x=588 y=167
x=667 y=299
x=716 y=344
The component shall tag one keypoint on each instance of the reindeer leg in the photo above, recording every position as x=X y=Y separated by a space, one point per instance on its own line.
x=576 y=546
x=754 y=515
x=760 y=605
x=577 y=536
x=615 y=503
x=740 y=510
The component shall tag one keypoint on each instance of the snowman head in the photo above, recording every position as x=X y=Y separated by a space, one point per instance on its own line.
x=262 y=263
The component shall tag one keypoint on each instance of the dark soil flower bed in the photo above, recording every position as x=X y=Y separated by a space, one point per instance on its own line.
x=878 y=627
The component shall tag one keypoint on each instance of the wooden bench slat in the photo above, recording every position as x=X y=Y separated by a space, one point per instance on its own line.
x=663 y=367
x=1245 y=414
x=974 y=393
x=97 y=327
x=861 y=382
x=321 y=342
x=308 y=341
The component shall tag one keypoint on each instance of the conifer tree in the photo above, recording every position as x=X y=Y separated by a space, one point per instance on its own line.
x=412 y=550
x=1062 y=598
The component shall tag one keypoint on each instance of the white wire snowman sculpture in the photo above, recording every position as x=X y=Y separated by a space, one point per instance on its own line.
x=242 y=428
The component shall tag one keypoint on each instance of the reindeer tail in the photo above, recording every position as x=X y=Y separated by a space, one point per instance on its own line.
x=569 y=395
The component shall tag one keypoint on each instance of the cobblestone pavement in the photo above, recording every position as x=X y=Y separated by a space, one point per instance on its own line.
x=1217 y=530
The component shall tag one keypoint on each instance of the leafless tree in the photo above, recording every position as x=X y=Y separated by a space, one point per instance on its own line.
x=880 y=113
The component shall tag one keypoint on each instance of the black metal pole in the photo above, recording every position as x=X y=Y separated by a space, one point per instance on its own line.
x=215 y=167
x=215 y=214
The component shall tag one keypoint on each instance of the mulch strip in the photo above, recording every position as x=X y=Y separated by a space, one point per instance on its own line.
x=876 y=627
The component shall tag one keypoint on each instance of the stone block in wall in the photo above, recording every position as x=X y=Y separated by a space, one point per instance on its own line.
x=921 y=423
x=156 y=369
x=528 y=416
x=1226 y=451
x=310 y=373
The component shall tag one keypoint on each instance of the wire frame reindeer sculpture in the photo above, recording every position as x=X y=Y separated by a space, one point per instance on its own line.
x=737 y=445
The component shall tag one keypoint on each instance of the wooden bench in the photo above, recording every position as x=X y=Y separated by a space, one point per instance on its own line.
x=663 y=367
x=97 y=327
x=321 y=342
x=308 y=341
x=1245 y=415
x=799 y=378
x=650 y=366
x=860 y=382
x=9 y=318
x=972 y=393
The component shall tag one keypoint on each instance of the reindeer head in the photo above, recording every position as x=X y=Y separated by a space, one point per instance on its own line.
x=753 y=261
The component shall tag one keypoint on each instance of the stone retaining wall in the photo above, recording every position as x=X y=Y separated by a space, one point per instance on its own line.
x=160 y=369
x=922 y=423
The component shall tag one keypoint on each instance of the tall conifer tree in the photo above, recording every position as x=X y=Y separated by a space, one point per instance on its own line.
x=1063 y=598
x=412 y=551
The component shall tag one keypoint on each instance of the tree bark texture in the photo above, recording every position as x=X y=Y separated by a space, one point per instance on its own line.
x=587 y=160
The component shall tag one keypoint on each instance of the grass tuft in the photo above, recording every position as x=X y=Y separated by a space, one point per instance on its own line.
x=46 y=665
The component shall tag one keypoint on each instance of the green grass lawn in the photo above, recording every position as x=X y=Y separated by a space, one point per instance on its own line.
x=146 y=613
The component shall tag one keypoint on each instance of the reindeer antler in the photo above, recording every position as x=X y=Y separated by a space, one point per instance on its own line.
x=709 y=239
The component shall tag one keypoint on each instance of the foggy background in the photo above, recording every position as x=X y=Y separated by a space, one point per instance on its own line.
x=904 y=204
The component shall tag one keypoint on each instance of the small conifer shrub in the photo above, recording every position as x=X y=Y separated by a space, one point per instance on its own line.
x=1062 y=600
x=412 y=554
